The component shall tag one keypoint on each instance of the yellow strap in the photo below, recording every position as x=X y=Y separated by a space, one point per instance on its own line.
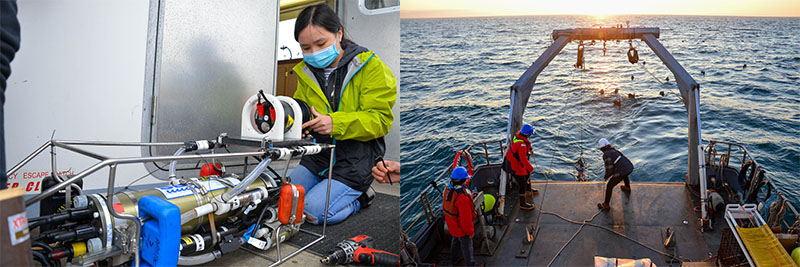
x=764 y=247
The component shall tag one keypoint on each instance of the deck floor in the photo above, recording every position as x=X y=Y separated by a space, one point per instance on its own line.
x=650 y=208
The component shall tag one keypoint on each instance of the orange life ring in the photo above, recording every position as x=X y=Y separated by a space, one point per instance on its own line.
x=463 y=154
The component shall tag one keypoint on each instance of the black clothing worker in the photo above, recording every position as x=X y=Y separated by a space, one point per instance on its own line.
x=618 y=167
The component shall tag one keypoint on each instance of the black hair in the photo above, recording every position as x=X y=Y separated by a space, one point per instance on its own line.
x=320 y=15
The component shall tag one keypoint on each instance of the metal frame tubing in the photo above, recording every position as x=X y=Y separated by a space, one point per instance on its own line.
x=112 y=164
x=320 y=237
x=49 y=143
x=137 y=223
x=520 y=93
x=109 y=162
x=28 y=158
x=690 y=90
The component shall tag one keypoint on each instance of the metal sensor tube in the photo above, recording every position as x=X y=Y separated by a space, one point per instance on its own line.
x=258 y=170
x=174 y=164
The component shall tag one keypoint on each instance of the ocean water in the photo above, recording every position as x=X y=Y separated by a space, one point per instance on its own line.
x=456 y=74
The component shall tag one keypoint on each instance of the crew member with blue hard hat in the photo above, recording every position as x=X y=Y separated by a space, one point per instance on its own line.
x=618 y=167
x=517 y=164
x=459 y=213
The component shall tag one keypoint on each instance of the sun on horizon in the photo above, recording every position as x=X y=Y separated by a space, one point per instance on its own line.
x=599 y=9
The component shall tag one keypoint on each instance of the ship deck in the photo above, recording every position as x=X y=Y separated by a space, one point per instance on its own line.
x=643 y=215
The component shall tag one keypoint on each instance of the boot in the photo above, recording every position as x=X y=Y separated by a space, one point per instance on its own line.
x=310 y=219
x=529 y=197
x=367 y=197
x=533 y=191
x=625 y=189
x=523 y=203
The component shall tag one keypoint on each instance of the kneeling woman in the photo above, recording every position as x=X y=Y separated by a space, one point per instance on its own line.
x=351 y=93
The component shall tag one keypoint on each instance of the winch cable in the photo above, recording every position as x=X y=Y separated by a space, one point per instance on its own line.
x=580 y=141
x=643 y=64
x=547 y=178
x=580 y=146
x=573 y=235
x=588 y=221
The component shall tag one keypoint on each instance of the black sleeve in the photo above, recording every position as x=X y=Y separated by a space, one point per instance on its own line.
x=9 y=41
x=9 y=44
x=608 y=159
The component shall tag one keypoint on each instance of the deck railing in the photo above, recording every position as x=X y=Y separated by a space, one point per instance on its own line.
x=717 y=153
x=720 y=153
x=429 y=199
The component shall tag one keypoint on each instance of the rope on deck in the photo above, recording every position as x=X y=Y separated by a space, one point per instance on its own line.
x=573 y=236
x=587 y=222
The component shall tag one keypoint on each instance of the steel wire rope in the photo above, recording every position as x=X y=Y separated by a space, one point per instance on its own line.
x=587 y=222
x=643 y=64
x=583 y=125
x=547 y=178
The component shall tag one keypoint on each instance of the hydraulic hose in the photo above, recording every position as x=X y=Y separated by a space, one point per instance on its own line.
x=46 y=250
x=239 y=188
x=75 y=214
x=38 y=256
x=174 y=164
x=253 y=196
x=190 y=146
x=199 y=259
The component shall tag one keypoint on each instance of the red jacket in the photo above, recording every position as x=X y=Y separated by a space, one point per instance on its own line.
x=459 y=212
x=518 y=155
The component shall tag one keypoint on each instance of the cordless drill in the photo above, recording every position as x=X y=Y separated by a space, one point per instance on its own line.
x=357 y=249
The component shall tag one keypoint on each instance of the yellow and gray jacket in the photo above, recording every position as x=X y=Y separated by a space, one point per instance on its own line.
x=358 y=95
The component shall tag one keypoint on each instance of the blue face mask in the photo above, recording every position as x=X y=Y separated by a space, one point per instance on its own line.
x=322 y=58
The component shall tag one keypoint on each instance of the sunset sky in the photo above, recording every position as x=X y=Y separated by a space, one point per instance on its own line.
x=476 y=8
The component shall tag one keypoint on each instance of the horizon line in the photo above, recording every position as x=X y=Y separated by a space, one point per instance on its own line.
x=604 y=15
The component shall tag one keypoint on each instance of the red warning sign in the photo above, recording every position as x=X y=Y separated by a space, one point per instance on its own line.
x=31 y=181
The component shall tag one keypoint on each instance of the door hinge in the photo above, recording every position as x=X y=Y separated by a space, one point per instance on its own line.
x=153 y=106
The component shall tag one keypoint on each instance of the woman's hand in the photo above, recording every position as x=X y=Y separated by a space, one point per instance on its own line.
x=382 y=174
x=322 y=124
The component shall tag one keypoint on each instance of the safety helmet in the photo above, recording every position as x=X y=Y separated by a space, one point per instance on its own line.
x=459 y=173
x=488 y=202
x=603 y=143
x=526 y=129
